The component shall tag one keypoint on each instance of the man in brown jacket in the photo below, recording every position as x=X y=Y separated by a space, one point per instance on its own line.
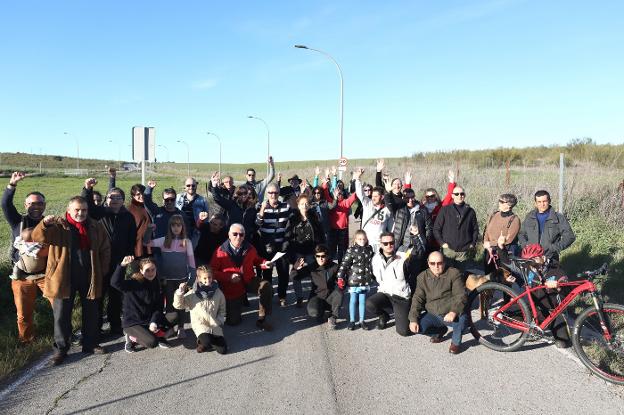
x=79 y=257
x=440 y=291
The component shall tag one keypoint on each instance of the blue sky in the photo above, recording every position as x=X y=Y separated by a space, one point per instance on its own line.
x=419 y=76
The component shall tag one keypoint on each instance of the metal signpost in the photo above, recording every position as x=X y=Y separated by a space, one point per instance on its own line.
x=143 y=147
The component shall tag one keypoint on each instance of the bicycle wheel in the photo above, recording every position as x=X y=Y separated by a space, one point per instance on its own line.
x=603 y=357
x=483 y=303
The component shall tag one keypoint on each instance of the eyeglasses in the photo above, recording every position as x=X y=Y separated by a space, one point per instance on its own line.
x=169 y=200
x=251 y=174
x=321 y=256
x=430 y=196
x=438 y=264
x=406 y=197
x=272 y=193
x=387 y=243
x=459 y=194
x=190 y=185
x=241 y=234
x=115 y=198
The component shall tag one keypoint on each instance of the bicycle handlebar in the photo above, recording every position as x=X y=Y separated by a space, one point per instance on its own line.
x=591 y=274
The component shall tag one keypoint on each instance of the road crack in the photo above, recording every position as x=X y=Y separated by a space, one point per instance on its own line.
x=77 y=384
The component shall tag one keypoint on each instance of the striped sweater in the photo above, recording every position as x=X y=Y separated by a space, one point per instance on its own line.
x=274 y=225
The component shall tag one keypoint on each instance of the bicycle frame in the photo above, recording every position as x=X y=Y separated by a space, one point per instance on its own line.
x=580 y=287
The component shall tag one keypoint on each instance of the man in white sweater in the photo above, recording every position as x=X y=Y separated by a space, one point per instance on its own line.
x=376 y=217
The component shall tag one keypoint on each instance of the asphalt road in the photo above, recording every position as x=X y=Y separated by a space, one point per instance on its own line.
x=302 y=367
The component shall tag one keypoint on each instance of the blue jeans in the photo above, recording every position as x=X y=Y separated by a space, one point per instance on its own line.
x=431 y=321
x=357 y=293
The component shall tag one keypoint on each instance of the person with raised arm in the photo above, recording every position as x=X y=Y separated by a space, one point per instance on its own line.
x=259 y=187
x=376 y=217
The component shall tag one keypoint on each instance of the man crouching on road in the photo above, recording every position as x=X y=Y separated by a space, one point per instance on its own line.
x=440 y=292
x=77 y=261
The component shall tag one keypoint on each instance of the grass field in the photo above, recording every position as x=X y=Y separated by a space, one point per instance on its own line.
x=592 y=201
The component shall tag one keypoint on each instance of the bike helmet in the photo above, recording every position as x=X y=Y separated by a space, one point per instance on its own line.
x=532 y=251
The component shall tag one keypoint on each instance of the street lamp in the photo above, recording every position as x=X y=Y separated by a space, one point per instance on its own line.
x=110 y=140
x=268 y=139
x=218 y=138
x=188 y=157
x=341 y=88
x=77 y=151
x=165 y=147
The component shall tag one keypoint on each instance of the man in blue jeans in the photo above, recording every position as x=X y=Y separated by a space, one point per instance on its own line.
x=440 y=293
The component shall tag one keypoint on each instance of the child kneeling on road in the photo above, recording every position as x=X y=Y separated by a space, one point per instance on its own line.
x=143 y=319
x=207 y=305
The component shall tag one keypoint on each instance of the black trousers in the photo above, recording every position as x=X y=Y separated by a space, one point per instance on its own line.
x=317 y=306
x=174 y=315
x=142 y=335
x=378 y=303
x=62 y=311
x=113 y=307
x=338 y=243
x=283 y=278
x=210 y=341
x=546 y=301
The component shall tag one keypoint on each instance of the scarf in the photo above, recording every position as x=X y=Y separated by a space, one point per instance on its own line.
x=236 y=255
x=430 y=206
x=82 y=232
x=206 y=291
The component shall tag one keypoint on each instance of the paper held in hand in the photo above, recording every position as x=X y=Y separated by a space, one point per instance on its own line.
x=277 y=256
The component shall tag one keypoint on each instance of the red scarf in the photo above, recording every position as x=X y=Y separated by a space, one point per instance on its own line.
x=82 y=232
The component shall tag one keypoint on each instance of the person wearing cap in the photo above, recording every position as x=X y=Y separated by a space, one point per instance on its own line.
x=296 y=188
x=546 y=227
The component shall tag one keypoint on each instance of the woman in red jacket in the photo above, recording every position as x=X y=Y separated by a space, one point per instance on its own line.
x=339 y=210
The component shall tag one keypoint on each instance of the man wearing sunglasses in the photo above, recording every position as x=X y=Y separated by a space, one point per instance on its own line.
x=161 y=214
x=457 y=231
x=191 y=204
x=325 y=294
x=260 y=186
x=390 y=269
x=440 y=294
x=233 y=266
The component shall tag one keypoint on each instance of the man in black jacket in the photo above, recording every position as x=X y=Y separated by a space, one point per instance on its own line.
x=161 y=214
x=457 y=231
x=325 y=293
x=121 y=229
x=24 y=290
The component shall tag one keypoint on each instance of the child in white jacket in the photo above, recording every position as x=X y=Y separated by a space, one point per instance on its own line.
x=207 y=306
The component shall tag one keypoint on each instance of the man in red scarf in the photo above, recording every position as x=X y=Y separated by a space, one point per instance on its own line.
x=79 y=257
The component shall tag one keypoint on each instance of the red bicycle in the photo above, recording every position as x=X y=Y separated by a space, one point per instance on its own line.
x=503 y=319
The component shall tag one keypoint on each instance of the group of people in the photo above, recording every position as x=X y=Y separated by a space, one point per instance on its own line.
x=201 y=257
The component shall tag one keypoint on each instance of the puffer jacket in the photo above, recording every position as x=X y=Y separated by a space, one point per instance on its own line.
x=356 y=265
x=305 y=235
x=390 y=274
x=58 y=271
x=207 y=315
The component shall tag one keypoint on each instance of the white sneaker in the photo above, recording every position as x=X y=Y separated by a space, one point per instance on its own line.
x=164 y=344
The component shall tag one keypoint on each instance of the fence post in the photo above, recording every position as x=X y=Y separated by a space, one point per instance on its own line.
x=621 y=189
x=561 y=182
x=507 y=173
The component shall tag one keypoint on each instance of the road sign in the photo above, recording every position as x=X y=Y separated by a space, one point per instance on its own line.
x=342 y=168
x=342 y=162
x=143 y=143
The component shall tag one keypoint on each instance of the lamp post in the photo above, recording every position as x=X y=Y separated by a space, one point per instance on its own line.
x=165 y=147
x=188 y=157
x=268 y=139
x=77 y=152
x=341 y=89
x=218 y=138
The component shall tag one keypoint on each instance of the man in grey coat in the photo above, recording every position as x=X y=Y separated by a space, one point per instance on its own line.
x=546 y=227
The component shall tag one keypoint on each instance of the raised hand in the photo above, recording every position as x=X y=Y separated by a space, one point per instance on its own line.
x=112 y=172
x=127 y=260
x=451 y=176
x=203 y=216
x=333 y=170
x=270 y=159
x=279 y=176
x=214 y=179
x=317 y=171
x=182 y=287
x=90 y=182
x=380 y=164
x=408 y=177
x=16 y=177
x=151 y=184
x=49 y=220
x=326 y=173
x=357 y=174
x=300 y=263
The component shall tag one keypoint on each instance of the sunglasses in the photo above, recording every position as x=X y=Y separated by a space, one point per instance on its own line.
x=502 y=201
x=439 y=264
x=169 y=199
x=241 y=234
x=321 y=256
x=387 y=243
x=409 y=197
x=115 y=198
x=272 y=193
x=190 y=185
x=241 y=194
x=430 y=196
x=459 y=194
x=251 y=174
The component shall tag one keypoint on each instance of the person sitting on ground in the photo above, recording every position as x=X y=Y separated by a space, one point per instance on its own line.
x=356 y=266
x=441 y=294
x=391 y=270
x=81 y=251
x=546 y=227
x=143 y=320
x=325 y=293
x=177 y=264
x=540 y=271
x=206 y=303
x=233 y=267
x=502 y=222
